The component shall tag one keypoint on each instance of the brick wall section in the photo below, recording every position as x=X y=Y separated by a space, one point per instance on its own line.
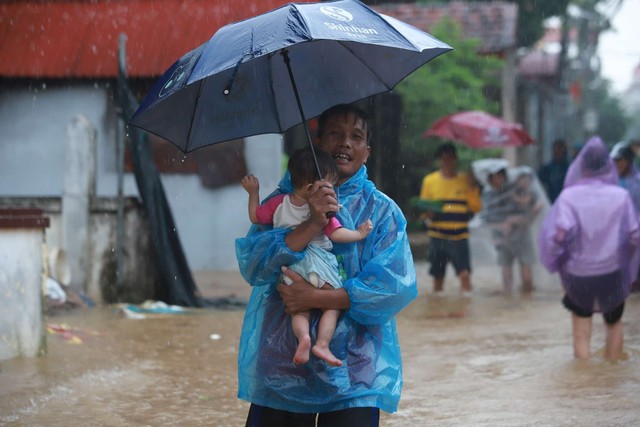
x=23 y=218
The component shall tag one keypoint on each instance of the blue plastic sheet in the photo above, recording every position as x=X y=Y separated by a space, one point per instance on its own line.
x=381 y=282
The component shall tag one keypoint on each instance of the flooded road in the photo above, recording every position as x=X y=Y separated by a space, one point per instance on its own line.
x=505 y=363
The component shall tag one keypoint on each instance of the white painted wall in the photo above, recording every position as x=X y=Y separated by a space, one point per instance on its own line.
x=32 y=140
x=21 y=280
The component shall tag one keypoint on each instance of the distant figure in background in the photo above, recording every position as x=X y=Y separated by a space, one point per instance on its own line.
x=509 y=209
x=589 y=237
x=629 y=178
x=552 y=174
x=628 y=175
x=448 y=228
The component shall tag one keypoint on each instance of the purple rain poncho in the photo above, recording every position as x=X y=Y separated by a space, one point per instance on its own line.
x=380 y=280
x=591 y=230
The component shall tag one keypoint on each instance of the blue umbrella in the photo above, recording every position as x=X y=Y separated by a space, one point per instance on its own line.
x=247 y=79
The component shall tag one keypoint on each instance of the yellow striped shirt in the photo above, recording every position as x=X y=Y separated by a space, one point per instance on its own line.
x=461 y=202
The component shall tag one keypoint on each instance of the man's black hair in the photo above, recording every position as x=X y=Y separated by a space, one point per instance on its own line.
x=502 y=172
x=626 y=153
x=446 y=148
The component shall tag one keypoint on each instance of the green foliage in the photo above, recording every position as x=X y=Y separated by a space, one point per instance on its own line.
x=455 y=81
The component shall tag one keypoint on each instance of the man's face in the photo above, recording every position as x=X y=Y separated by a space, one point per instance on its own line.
x=345 y=138
x=559 y=151
x=496 y=180
x=623 y=166
x=448 y=162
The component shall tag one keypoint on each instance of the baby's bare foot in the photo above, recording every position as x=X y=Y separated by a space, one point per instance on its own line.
x=325 y=354
x=302 y=352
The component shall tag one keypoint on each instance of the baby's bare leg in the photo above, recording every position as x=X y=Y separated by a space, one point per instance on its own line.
x=300 y=326
x=326 y=328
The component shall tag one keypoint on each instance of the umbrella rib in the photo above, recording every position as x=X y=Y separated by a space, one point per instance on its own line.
x=366 y=66
x=271 y=89
x=193 y=115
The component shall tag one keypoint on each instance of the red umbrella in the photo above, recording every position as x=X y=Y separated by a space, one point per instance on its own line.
x=478 y=129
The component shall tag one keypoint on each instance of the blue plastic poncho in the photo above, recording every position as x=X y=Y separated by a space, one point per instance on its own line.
x=591 y=230
x=381 y=281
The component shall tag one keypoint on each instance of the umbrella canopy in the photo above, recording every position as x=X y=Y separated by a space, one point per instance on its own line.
x=478 y=129
x=271 y=72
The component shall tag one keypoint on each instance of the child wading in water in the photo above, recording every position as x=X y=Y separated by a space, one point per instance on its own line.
x=319 y=266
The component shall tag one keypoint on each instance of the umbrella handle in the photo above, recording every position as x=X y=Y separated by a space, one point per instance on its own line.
x=287 y=61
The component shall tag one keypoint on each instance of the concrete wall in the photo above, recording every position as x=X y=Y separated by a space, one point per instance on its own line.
x=22 y=276
x=139 y=272
x=33 y=133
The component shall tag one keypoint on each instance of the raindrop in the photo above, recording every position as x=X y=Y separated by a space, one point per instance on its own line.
x=44 y=86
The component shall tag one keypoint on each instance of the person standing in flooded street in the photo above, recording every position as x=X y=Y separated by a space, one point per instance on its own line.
x=448 y=229
x=590 y=236
x=509 y=209
x=553 y=173
x=380 y=281
x=628 y=174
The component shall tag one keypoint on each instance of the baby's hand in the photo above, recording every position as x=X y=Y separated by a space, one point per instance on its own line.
x=250 y=183
x=365 y=228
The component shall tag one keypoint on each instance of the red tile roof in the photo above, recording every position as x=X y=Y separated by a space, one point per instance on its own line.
x=66 y=38
x=495 y=23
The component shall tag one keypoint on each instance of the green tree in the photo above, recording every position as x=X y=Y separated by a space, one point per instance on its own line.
x=456 y=81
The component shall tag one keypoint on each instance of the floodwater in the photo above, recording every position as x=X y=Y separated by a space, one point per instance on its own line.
x=506 y=362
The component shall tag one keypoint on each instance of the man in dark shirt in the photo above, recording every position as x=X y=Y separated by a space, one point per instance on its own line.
x=552 y=174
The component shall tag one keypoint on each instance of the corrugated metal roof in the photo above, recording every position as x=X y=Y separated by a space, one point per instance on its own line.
x=60 y=39
x=495 y=23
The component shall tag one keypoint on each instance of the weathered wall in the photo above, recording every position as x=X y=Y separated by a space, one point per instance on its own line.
x=139 y=272
x=22 y=273
x=33 y=120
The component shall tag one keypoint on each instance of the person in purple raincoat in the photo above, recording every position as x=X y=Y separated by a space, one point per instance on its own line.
x=589 y=236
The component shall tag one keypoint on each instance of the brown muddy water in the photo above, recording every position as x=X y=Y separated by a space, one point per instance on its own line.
x=505 y=363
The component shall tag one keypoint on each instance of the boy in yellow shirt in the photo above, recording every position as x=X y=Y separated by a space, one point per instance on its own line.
x=448 y=230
